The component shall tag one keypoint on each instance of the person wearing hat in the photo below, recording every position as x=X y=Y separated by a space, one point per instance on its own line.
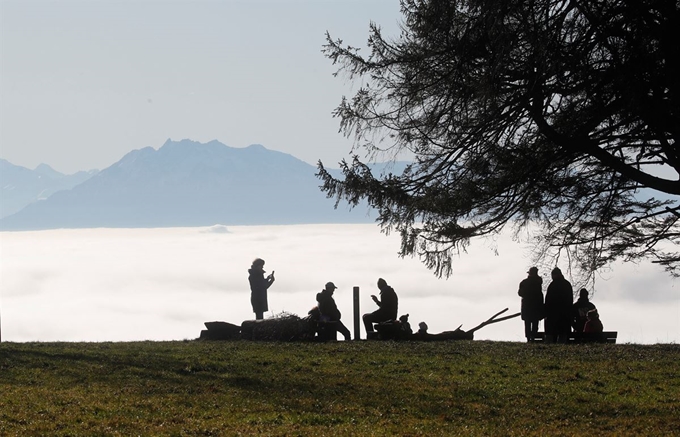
x=258 y=287
x=531 y=292
x=329 y=311
x=580 y=310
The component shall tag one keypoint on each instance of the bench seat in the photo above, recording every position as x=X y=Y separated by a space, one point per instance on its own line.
x=586 y=337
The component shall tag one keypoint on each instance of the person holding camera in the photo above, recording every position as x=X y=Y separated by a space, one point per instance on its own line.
x=259 y=284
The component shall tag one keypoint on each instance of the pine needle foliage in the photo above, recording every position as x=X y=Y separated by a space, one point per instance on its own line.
x=560 y=116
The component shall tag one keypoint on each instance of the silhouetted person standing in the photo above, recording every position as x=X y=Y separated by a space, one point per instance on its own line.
x=558 y=308
x=531 y=291
x=580 y=310
x=388 y=304
x=329 y=310
x=258 y=287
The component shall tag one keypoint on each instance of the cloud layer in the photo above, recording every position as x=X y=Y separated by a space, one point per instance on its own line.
x=162 y=284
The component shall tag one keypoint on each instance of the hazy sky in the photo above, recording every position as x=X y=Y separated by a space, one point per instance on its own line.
x=84 y=82
x=162 y=284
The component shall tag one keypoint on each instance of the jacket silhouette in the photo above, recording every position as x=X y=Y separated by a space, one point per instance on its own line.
x=531 y=291
x=258 y=287
x=558 y=312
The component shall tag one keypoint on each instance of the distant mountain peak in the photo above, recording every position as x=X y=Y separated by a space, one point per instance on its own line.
x=46 y=170
x=188 y=142
x=256 y=147
x=44 y=166
x=20 y=186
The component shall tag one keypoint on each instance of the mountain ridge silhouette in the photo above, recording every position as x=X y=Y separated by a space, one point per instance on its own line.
x=188 y=183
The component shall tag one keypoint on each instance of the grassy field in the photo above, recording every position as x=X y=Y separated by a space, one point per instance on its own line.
x=354 y=388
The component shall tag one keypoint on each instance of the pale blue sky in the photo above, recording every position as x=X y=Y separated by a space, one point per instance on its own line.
x=84 y=82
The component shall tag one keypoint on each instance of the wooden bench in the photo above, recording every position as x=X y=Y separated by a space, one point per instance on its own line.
x=586 y=337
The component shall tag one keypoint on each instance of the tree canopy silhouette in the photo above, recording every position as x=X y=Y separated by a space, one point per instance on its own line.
x=562 y=115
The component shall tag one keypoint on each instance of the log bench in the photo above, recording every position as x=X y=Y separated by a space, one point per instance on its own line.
x=586 y=337
x=326 y=330
x=220 y=331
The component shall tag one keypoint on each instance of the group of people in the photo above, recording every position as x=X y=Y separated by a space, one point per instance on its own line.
x=559 y=310
x=388 y=301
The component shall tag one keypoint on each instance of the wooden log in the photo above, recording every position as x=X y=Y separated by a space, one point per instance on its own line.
x=459 y=334
x=220 y=331
x=282 y=328
x=493 y=319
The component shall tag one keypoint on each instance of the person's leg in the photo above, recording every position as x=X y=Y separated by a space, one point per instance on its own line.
x=368 y=322
x=259 y=315
x=371 y=318
x=534 y=329
x=550 y=331
x=565 y=332
x=527 y=330
x=344 y=331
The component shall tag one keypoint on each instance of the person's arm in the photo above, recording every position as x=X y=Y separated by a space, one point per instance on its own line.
x=376 y=300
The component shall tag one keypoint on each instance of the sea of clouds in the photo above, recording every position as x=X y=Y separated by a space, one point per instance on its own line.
x=163 y=284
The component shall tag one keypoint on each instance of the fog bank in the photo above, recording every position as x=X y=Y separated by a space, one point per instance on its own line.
x=162 y=284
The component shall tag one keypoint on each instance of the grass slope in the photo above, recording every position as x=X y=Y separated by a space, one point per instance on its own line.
x=354 y=388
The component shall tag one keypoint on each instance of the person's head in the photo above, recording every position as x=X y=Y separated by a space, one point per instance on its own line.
x=258 y=263
x=330 y=287
x=533 y=271
x=381 y=283
x=593 y=315
x=556 y=273
x=583 y=293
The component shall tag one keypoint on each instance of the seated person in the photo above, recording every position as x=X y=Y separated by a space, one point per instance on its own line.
x=405 y=326
x=593 y=324
x=388 y=303
x=328 y=310
x=580 y=310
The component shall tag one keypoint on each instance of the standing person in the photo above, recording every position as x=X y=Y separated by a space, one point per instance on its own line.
x=531 y=291
x=329 y=310
x=388 y=303
x=580 y=310
x=558 y=302
x=258 y=287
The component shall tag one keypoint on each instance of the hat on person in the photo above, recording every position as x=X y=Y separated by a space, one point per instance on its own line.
x=533 y=270
x=330 y=286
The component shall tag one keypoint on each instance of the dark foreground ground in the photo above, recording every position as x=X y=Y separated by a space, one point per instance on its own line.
x=375 y=388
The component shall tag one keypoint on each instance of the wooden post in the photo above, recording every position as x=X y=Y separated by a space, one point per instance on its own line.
x=357 y=317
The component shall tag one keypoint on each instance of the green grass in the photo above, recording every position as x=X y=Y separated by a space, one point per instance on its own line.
x=354 y=388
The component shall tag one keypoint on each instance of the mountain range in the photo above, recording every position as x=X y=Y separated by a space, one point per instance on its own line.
x=183 y=183
x=20 y=186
